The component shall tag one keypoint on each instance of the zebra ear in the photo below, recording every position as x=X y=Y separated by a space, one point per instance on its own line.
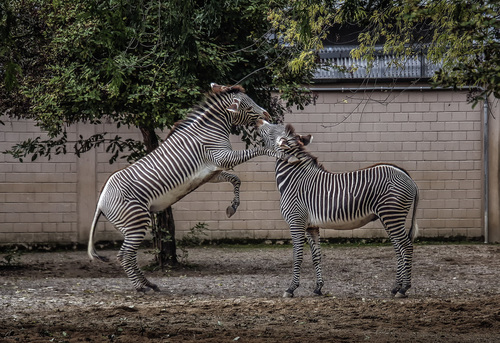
x=218 y=88
x=305 y=140
x=235 y=106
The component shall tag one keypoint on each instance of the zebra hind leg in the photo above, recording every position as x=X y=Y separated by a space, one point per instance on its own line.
x=298 y=239
x=399 y=272
x=128 y=259
x=395 y=228
x=404 y=253
x=312 y=234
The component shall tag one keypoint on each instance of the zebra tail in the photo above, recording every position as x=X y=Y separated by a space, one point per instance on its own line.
x=91 y=249
x=413 y=232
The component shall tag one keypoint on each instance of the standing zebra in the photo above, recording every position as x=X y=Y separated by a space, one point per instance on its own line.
x=312 y=197
x=197 y=150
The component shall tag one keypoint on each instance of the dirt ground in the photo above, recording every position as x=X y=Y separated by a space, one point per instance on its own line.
x=229 y=294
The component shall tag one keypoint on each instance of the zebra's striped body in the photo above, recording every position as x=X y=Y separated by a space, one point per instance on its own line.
x=196 y=151
x=312 y=198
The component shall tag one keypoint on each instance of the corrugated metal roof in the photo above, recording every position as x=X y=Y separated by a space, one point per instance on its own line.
x=336 y=63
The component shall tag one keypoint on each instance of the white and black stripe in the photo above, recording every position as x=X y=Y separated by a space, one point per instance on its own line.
x=313 y=197
x=196 y=151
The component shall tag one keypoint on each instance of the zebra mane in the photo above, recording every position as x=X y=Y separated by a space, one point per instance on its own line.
x=196 y=110
x=304 y=154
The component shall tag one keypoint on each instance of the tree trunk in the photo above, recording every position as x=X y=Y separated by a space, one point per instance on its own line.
x=164 y=239
x=164 y=225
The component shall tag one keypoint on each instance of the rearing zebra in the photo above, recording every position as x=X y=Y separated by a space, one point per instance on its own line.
x=312 y=197
x=197 y=150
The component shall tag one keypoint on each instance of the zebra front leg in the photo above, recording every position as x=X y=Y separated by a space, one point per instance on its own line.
x=298 y=240
x=312 y=235
x=226 y=159
x=236 y=182
x=128 y=259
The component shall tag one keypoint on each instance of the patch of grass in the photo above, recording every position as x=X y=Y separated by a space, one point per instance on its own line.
x=11 y=258
x=248 y=244
x=195 y=239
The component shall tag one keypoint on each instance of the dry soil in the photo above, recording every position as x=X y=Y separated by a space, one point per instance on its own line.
x=228 y=294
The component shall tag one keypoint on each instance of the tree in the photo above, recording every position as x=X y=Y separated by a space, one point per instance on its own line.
x=463 y=36
x=142 y=64
x=20 y=41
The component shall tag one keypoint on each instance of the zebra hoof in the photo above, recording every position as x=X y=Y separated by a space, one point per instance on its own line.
x=230 y=211
x=146 y=289
x=400 y=295
x=318 y=292
x=395 y=290
x=287 y=295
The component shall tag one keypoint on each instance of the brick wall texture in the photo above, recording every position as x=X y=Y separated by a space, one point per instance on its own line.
x=435 y=135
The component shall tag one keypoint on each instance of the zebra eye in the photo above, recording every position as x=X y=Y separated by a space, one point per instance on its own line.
x=235 y=106
x=284 y=144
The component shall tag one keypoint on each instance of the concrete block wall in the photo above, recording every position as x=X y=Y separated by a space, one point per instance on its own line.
x=38 y=199
x=435 y=135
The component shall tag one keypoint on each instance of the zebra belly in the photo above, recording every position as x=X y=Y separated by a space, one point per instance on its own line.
x=354 y=223
x=177 y=193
